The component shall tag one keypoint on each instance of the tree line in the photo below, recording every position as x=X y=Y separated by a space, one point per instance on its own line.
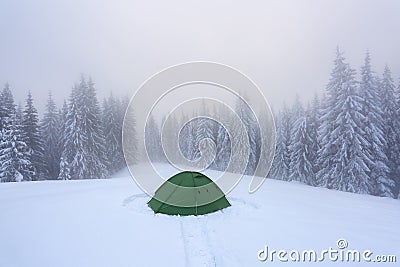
x=348 y=139
x=81 y=140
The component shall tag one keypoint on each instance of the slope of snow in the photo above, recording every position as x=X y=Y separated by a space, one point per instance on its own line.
x=107 y=223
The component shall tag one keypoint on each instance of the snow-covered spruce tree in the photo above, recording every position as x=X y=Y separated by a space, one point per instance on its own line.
x=33 y=138
x=112 y=134
x=14 y=153
x=171 y=135
x=301 y=157
x=50 y=127
x=19 y=114
x=204 y=130
x=153 y=140
x=94 y=130
x=131 y=153
x=297 y=116
x=7 y=107
x=62 y=124
x=64 y=170
x=329 y=113
x=83 y=137
x=373 y=128
x=280 y=165
x=278 y=157
x=387 y=187
x=349 y=157
x=248 y=119
x=223 y=142
x=187 y=138
x=314 y=114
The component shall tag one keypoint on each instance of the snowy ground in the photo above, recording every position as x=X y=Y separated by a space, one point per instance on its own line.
x=107 y=223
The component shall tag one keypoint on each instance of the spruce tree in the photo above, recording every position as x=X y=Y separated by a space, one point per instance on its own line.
x=313 y=115
x=83 y=141
x=248 y=119
x=297 y=116
x=328 y=122
x=129 y=124
x=50 y=127
x=223 y=142
x=346 y=149
x=153 y=140
x=33 y=137
x=387 y=187
x=112 y=134
x=301 y=157
x=14 y=153
x=373 y=127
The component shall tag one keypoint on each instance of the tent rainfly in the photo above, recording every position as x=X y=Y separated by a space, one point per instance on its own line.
x=188 y=193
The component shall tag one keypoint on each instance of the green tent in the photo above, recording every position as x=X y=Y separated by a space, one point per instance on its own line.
x=188 y=193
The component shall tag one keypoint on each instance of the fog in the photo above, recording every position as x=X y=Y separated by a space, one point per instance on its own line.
x=286 y=47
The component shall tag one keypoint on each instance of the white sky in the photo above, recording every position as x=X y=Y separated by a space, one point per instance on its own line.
x=286 y=47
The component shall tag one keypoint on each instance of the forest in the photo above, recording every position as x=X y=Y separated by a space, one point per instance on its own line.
x=346 y=138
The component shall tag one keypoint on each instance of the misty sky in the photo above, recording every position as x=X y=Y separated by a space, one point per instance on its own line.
x=286 y=47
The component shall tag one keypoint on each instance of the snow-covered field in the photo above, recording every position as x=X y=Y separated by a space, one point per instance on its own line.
x=107 y=223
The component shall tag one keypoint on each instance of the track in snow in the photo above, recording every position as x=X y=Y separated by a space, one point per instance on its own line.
x=198 y=250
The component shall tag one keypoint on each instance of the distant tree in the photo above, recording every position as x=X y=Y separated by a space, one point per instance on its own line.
x=153 y=140
x=7 y=107
x=248 y=119
x=223 y=142
x=297 y=115
x=281 y=163
x=301 y=157
x=314 y=115
x=391 y=127
x=112 y=134
x=50 y=127
x=131 y=144
x=83 y=141
x=14 y=153
x=33 y=137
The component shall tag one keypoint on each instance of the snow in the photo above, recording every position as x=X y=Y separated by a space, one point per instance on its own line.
x=106 y=222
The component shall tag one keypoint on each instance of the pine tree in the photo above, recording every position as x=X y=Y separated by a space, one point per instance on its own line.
x=387 y=187
x=14 y=153
x=170 y=136
x=345 y=154
x=62 y=125
x=248 y=119
x=64 y=170
x=153 y=140
x=204 y=135
x=112 y=134
x=131 y=143
x=83 y=141
x=33 y=137
x=50 y=127
x=314 y=114
x=223 y=141
x=373 y=127
x=297 y=118
x=301 y=157
x=277 y=164
x=327 y=122
x=7 y=107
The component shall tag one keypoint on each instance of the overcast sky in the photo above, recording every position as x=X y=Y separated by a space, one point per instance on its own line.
x=286 y=47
